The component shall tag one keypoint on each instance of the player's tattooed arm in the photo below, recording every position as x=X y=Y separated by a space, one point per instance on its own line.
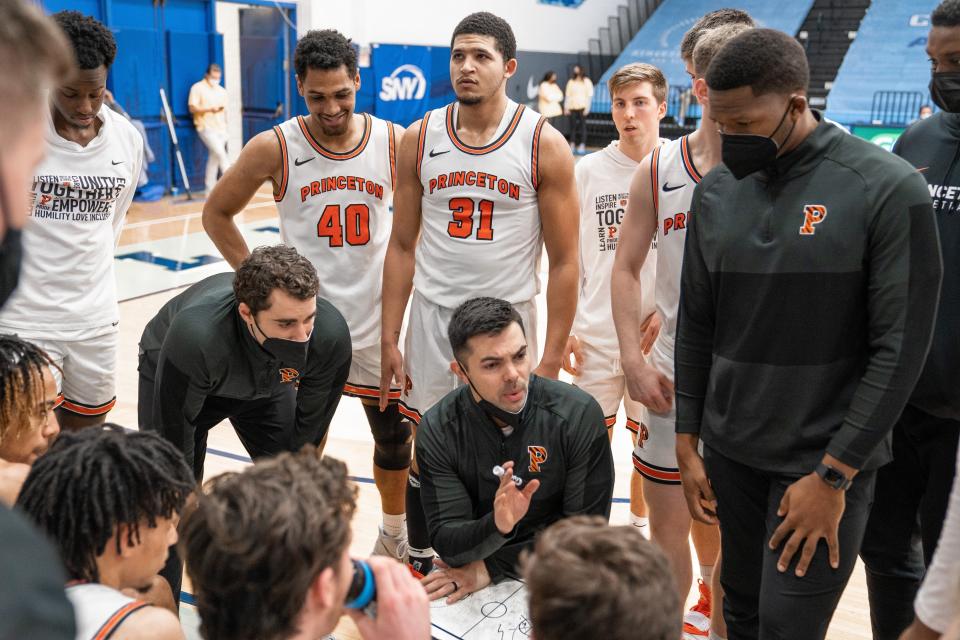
x=260 y=160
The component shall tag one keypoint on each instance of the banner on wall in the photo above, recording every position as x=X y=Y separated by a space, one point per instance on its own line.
x=881 y=136
x=409 y=80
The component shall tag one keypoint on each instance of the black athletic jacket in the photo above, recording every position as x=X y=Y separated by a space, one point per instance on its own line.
x=561 y=440
x=808 y=296
x=933 y=147
x=206 y=353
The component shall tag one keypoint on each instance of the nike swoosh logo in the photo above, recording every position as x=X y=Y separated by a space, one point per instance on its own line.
x=116 y=162
x=299 y=162
x=434 y=153
x=533 y=90
x=667 y=187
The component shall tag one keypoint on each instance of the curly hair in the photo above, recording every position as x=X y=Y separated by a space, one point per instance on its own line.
x=324 y=49
x=712 y=20
x=22 y=368
x=258 y=540
x=484 y=23
x=93 y=481
x=93 y=43
x=276 y=267
x=589 y=580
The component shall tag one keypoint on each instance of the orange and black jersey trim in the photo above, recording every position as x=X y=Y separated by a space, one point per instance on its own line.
x=493 y=146
x=113 y=622
x=391 y=138
x=655 y=179
x=87 y=409
x=421 y=141
x=333 y=155
x=284 y=176
x=535 y=154
x=688 y=165
x=366 y=391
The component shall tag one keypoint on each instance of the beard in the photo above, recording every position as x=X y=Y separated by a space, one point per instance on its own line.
x=470 y=100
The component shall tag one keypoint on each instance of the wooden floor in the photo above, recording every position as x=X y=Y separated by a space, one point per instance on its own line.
x=349 y=437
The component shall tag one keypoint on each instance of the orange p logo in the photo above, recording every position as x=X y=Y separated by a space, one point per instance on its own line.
x=538 y=455
x=288 y=375
x=813 y=214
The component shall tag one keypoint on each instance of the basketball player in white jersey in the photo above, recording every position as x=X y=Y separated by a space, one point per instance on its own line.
x=660 y=198
x=333 y=175
x=66 y=302
x=639 y=102
x=484 y=183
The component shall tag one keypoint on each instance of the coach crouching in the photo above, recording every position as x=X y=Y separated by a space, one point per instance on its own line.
x=548 y=434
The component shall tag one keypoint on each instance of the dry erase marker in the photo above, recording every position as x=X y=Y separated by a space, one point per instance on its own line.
x=499 y=471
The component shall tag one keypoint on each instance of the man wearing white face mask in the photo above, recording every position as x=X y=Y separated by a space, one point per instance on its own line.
x=547 y=439
x=207 y=102
x=256 y=347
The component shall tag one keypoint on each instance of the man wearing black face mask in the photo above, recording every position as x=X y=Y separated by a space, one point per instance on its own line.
x=255 y=347
x=895 y=550
x=808 y=294
x=548 y=434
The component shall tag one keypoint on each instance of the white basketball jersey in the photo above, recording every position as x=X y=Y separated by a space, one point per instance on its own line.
x=603 y=187
x=673 y=179
x=336 y=209
x=480 y=232
x=99 y=609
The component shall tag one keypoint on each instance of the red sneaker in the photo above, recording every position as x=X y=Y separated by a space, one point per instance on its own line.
x=696 y=622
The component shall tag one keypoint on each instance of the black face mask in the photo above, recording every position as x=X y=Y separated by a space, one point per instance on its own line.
x=11 y=251
x=492 y=410
x=945 y=90
x=292 y=354
x=746 y=153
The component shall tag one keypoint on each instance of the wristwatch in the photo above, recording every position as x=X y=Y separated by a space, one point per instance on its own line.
x=833 y=477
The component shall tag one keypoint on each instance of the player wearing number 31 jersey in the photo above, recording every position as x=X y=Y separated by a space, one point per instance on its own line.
x=483 y=185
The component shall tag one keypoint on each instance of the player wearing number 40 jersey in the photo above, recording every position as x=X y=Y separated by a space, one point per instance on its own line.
x=333 y=175
x=482 y=185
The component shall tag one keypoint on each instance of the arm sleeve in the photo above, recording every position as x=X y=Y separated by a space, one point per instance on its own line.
x=321 y=386
x=938 y=601
x=903 y=284
x=456 y=536
x=181 y=385
x=695 y=328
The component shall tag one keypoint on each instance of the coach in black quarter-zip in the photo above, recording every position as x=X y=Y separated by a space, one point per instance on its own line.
x=808 y=293
x=549 y=435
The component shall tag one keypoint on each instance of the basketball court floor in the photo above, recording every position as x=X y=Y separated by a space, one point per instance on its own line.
x=163 y=248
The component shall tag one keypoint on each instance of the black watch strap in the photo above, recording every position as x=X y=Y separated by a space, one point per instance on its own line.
x=833 y=477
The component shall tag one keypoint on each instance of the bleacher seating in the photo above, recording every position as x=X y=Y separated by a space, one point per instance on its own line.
x=888 y=55
x=658 y=42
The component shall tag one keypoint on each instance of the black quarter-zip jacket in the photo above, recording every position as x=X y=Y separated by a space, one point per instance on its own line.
x=205 y=355
x=808 y=295
x=933 y=147
x=561 y=440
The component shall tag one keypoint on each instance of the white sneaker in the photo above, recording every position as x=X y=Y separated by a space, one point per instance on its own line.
x=392 y=547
